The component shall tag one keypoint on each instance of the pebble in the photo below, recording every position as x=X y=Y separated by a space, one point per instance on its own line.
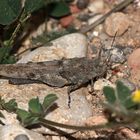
x=116 y=53
x=134 y=65
x=99 y=84
x=21 y=137
x=66 y=21
x=68 y=46
x=17 y=132
x=96 y=6
x=117 y=22
x=96 y=120
x=81 y=4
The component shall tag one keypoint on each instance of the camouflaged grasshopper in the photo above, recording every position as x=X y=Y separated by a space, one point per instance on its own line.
x=74 y=72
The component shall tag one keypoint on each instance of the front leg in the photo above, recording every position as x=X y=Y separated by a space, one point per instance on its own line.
x=72 y=88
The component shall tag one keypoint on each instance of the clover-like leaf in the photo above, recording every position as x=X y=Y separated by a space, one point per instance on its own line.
x=129 y=104
x=59 y=9
x=22 y=115
x=4 y=52
x=123 y=92
x=31 y=120
x=11 y=105
x=33 y=5
x=109 y=93
x=9 y=11
x=49 y=101
x=35 y=106
x=26 y=117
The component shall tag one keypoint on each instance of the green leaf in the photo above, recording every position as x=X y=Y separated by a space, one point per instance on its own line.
x=9 y=60
x=59 y=9
x=11 y=105
x=4 y=52
x=49 y=101
x=9 y=11
x=26 y=117
x=123 y=91
x=31 y=120
x=129 y=104
x=35 y=107
x=22 y=115
x=109 y=93
x=33 y=5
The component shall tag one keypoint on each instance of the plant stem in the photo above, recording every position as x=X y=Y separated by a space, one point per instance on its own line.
x=14 y=34
x=118 y=7
x=83 y=128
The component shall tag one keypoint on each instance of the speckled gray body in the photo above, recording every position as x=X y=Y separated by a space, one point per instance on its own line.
x=74 y=72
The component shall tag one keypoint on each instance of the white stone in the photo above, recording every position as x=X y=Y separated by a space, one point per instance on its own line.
x=68 y=46
x=96 y=6
x=9 y=132
x=99 y=84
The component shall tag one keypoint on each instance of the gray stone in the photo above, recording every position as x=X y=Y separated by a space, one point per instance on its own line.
x=21 y=137
x=96 y=6
x=68 y=46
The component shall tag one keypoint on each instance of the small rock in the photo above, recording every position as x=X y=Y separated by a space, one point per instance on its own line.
x=96 y=6
x=116 y=54
x=81 y=4
x=128 y=133
x=21 y=137
x=68 y=46
x=83 y=16
x=127 y=50
x=117 y=22
x=133 y=59
x=74 y=9
x=137 y=3
x=66 y=21
x=134 y=65
x=99 y=84
x=17 y=132
x=96 y=120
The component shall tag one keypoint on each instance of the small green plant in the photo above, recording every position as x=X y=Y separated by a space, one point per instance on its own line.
x=122 y=106
x=13 y=16
x=121 y=109
x=45 y=38
x=35 y=110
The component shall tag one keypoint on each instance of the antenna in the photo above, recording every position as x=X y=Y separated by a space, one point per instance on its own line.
x=112 y=46
x=113 y=39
